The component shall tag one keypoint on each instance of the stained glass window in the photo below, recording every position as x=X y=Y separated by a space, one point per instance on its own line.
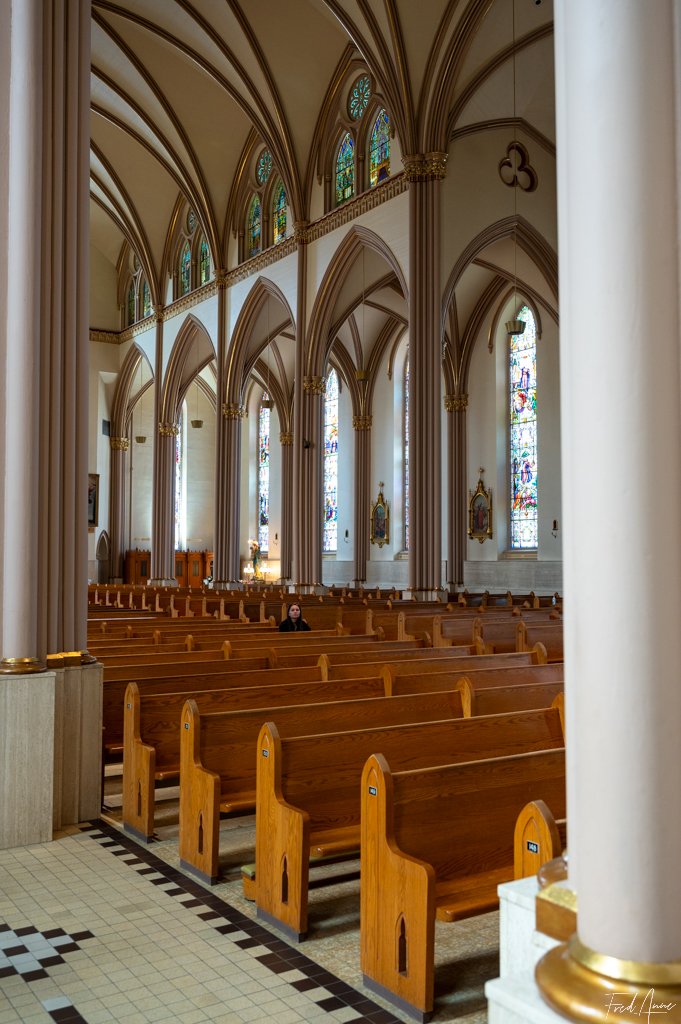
x=379 y=150
x=331 y=464
x=204 y=262
x=254 y=226
x=185 y=269
x=191 y=221
x=264 y=167
x=146 y=300
x=406 y=456
x=131 y=304
x=523 y=433
x=345 y=170
x=359 y=97
x=279 y=213
x=264 y=476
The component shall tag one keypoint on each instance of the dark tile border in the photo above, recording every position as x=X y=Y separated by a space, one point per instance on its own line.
x=281 y=957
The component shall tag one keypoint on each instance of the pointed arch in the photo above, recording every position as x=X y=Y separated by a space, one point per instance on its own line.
x=332 y=283
x=192 y=351
x=235 y=375
x=123 y=401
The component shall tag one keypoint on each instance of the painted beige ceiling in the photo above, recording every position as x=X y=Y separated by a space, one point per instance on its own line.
x=182 y=89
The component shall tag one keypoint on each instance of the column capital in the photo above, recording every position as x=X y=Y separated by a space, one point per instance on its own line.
x=362 y=422
x=158 y=313
x=119 y=444
x=233 y=411
x=221 y=277
x=301 y=232
x=425 y=166
x=453 y=403
x=286 y=437
x=314 y=385
x=168 y=429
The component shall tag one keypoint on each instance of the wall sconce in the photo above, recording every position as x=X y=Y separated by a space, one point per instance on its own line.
x=141 y=439
x=554 y=528
x=307 y=444
x=347 y=534
x=197 y=424
x=276 y=536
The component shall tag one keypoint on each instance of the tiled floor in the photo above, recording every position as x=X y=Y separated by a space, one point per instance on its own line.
x=95 y=927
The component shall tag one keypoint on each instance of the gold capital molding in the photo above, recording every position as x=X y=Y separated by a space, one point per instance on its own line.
x=221 y=277
x=107 y=337
x=425 y=166
x=21 y=666
x=314 y=385
x=362 y=422
x=168 y=429
x=301 y=232
x=119 y=444
x=455 y=402
x=361 y=375
x=158 y=314
x=286 y=437
x=232 y=411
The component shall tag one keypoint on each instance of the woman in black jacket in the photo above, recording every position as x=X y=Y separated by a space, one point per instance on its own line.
x=294 y=621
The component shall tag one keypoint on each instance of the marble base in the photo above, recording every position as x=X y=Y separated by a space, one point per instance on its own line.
x=516 y=1000
x=27 y=716
x=520 y=945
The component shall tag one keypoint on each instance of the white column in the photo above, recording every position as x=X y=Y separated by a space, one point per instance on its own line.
x=22 y=90
x=621 y=406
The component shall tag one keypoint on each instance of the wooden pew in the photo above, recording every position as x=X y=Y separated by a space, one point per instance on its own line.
x=537 y=838
x=437 y=843
x=218 y=756
x=433 y=661
x=550 y=635
x=397 y=682
x=497 y=700
x=308 y=796
x=151 y=729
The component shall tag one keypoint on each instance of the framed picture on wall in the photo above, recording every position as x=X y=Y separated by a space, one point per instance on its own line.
x=93 y=499
x=380 y=520
x=480 y=513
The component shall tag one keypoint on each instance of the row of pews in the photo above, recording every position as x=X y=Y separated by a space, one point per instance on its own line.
x=426 y=742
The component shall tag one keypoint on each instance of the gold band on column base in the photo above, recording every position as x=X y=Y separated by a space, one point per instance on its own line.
x=572 y=980
x=21 y=666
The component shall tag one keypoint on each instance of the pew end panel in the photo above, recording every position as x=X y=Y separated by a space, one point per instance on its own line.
x=139 y=769
x=536 y=839
x=199 y=802
x=389 y=926
x=459 y=819
x=282 y=844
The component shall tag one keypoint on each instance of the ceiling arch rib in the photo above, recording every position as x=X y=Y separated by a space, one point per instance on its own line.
x=236 y=82
x=198 y=189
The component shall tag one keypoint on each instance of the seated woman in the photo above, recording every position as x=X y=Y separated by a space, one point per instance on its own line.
x=294 y=621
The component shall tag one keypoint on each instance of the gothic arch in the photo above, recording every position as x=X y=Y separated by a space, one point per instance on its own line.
x=237 y=369
x=330 y=287
x=192 y=351
x=123 y=400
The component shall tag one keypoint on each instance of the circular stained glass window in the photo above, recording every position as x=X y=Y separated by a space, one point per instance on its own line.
x=264 y=167
x=191 y=221
x=359 y=97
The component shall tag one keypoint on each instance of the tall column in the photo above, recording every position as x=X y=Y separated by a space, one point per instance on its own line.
x=220 y=558
x=163 y=496
x=362 y=425
x=299 y=570
x=119 y=458
x=424 y=173
x=456 y=406
x=310 y=542
x=617 y=75
x=286 y=441
x=232 y=414
x=50 y=722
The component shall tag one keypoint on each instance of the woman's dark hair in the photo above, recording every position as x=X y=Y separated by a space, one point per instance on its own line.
x=297 y=605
